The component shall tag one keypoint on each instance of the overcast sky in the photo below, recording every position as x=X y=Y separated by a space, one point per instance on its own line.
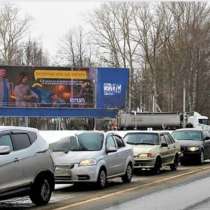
x=52 y=19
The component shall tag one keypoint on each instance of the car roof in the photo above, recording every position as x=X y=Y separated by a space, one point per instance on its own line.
x=147 y=131
x=8 y=128
x=52 y=136
x=189 y=129
x=90 y=131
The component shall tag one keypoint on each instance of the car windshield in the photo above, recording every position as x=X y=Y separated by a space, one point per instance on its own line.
x=90 y=141
x=187 y=135
x=65 y=144
x=142 y=138
x=81 y=142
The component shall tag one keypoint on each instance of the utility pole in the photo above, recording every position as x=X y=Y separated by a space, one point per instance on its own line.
x=184 y=105
x=153 y=104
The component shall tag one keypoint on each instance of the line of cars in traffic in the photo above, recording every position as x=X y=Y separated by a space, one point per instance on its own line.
x=28 y=167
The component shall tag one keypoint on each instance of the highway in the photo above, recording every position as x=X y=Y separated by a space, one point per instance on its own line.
x=185 y=189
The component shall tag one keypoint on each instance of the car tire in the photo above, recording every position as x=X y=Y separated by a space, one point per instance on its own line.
x=41 y=191
x=102 y=179
x=183 y=162
x=175 y=164
x=128 y=174
x=156 y=169
x=201 y=157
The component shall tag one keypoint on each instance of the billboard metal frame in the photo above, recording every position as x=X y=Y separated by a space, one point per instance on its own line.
x=57 y=112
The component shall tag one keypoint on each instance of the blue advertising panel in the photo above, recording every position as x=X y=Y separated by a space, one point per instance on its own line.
x=112 y=85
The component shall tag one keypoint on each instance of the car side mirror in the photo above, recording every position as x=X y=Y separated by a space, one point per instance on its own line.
x=111 y=150
x=207 y=138
x=66 y=151
x=5 y=150
x=164 y=145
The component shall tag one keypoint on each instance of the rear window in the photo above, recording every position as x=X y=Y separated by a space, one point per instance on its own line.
x=33 y=136
x=20 y=141
x=142 y=138
x=119 y=141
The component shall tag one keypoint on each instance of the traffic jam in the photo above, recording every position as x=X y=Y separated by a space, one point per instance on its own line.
x=69 y=144
x=43 y=169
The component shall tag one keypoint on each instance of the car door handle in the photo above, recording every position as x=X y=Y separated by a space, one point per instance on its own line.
x=16 y=159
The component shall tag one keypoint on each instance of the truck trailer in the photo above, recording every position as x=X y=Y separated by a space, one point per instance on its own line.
x=160 y=120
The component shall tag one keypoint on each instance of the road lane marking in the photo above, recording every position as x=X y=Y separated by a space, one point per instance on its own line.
x=130 y=189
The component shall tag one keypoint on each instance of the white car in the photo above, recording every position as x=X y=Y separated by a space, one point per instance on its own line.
x=26 y=166
x=153 y=149
x=92 y=157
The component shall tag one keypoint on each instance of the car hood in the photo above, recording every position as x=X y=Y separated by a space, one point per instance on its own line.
x=61 y=158
x=143 y=148
x=190 y=143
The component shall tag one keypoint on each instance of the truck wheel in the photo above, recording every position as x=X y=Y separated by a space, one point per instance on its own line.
x=41 y=191
x=101 y=182
x=175 y=164
x=128 y=174
x=156 y=169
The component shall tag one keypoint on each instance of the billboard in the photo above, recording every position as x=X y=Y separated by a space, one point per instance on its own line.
x=22 y=86
x=112 y=86
x=59 y=87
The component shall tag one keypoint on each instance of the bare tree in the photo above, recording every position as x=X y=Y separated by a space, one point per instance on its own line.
x=186 y=50
x=113 y=34
x=33 y=54
x=75 y=50
x=12 y=29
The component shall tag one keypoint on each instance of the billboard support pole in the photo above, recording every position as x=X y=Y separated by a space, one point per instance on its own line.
x=26 y=121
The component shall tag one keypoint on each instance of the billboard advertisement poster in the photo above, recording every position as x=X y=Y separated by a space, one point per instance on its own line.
x=22 y=86
x=112 y=85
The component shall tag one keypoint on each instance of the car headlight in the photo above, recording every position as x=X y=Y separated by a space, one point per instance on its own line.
x=193 y=149
x=89 y=162
x=146 y=155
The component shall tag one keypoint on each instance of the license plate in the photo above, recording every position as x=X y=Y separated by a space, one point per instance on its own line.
x=62 y=171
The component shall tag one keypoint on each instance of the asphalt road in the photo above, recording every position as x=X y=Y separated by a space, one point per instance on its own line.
x=186 y=189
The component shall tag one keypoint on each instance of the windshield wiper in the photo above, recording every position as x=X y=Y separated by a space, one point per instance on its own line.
x=132 y=143
x=140 y=143
x=148 y=143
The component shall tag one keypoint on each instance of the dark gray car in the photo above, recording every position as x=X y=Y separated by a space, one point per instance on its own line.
x=26 y=166
x=195 y=144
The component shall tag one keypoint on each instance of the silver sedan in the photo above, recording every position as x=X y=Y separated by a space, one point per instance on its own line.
x=92 y=157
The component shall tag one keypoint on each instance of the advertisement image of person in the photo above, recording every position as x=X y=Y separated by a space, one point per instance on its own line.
x=4 y=88
x=25 y=97
x=57 y=101
x=44 y=95
x=86 y=92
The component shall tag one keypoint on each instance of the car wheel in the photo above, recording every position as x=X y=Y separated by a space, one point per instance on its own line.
x=156 y=169
x=41 y=191
x=201 y=160
x=102 y=179
x=128 y=174
x=183 y=162
x=175 y=164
